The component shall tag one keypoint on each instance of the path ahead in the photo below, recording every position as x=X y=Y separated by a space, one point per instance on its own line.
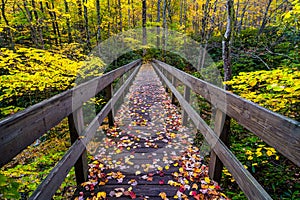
x=148 y=154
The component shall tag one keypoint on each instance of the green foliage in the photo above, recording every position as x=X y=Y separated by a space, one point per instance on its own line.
x=277 y=90
x=30 y=167
x=8 y=188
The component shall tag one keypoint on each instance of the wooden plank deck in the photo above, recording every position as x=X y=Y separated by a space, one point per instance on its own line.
x=148 y=154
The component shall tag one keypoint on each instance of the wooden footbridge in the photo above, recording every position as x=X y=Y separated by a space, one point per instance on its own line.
x=147 y=152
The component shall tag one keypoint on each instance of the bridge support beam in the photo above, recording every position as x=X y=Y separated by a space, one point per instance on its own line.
x=221 y=128
x=76 y=127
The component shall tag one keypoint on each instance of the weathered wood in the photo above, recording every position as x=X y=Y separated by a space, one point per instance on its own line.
x=22 y=129
x=76 y=127
x=173 y=98
x=249 y=185
x=49 y=186
x=222 y=131
x=276 y=130
x=187 y=96
x=108 y=94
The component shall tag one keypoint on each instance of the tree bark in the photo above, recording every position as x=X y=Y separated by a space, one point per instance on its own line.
x=86 y=25
x=226 y=43
x=56 y=24
x=144 y=14
x=98 y=22
x=265 y=18
x=70 y=40
x=158 y=26
x=32 y=28
x=9 y=31
x=39 y=24
x=120 y=16
x=240 y=24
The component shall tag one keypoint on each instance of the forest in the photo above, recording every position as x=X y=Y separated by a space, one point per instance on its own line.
x=45 y=44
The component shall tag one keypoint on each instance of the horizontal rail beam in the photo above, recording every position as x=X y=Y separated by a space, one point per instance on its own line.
x=52 y=182
x=276 y=130
x=251 y=188
x=22 y=129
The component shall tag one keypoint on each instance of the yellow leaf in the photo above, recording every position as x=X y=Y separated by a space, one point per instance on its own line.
x=101 y=195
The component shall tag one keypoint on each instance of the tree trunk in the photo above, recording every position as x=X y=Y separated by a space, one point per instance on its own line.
x=9 y=30
x=98 y=22
x=56 y=24
x=265 y=19
x=68 y=22
x=133 y=18
x=128 y=14
x=226 y=43
x=181 y=12
x=109 y=14
x=240 y=24
x=87 y=31
x=158 y=27
x=32 y=28
x=39 y=24
x=53 y=23
x=120 y=16
x=144 y=14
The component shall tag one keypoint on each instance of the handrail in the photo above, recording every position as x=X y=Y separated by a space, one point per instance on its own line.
x=22 y=129
x=278 y=131
x=50 y=185
x=236 y=106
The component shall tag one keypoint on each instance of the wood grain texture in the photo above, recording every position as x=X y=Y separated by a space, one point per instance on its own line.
x=249 y=185
x=276 y=130
x=22 y=129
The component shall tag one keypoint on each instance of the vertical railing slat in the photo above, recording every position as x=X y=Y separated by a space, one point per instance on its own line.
x=108 y=95
x=187 y=96
x=221 y=128
x=76 y=127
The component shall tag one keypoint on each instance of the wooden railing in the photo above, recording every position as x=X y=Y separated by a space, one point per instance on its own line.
x=22 y=129
x=276 y=130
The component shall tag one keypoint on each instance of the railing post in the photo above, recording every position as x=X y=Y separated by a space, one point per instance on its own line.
x=108 y=95
x=172 y=95
x=221 y=128
x=187 y=94
x=76 y=127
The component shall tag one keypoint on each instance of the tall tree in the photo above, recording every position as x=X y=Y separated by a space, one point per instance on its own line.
x=70 y=39
x=120 y=16
x=226 y=43
x=98 y=22
x=39 y=24
x=158 y=25
x=86 y=25
x=29 y=18
x=8 y=28
x=265 y=18
x=144 y=14
x=53 y=23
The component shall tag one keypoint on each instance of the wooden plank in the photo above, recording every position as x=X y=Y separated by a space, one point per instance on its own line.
x=108 y=94
x=76 y=127
x=221 y=128
x=22 y=129
x=187 y=96
x=142 y=190
x=276 y=130
x=173 y=96
x=49 y=186
x=249 y=185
